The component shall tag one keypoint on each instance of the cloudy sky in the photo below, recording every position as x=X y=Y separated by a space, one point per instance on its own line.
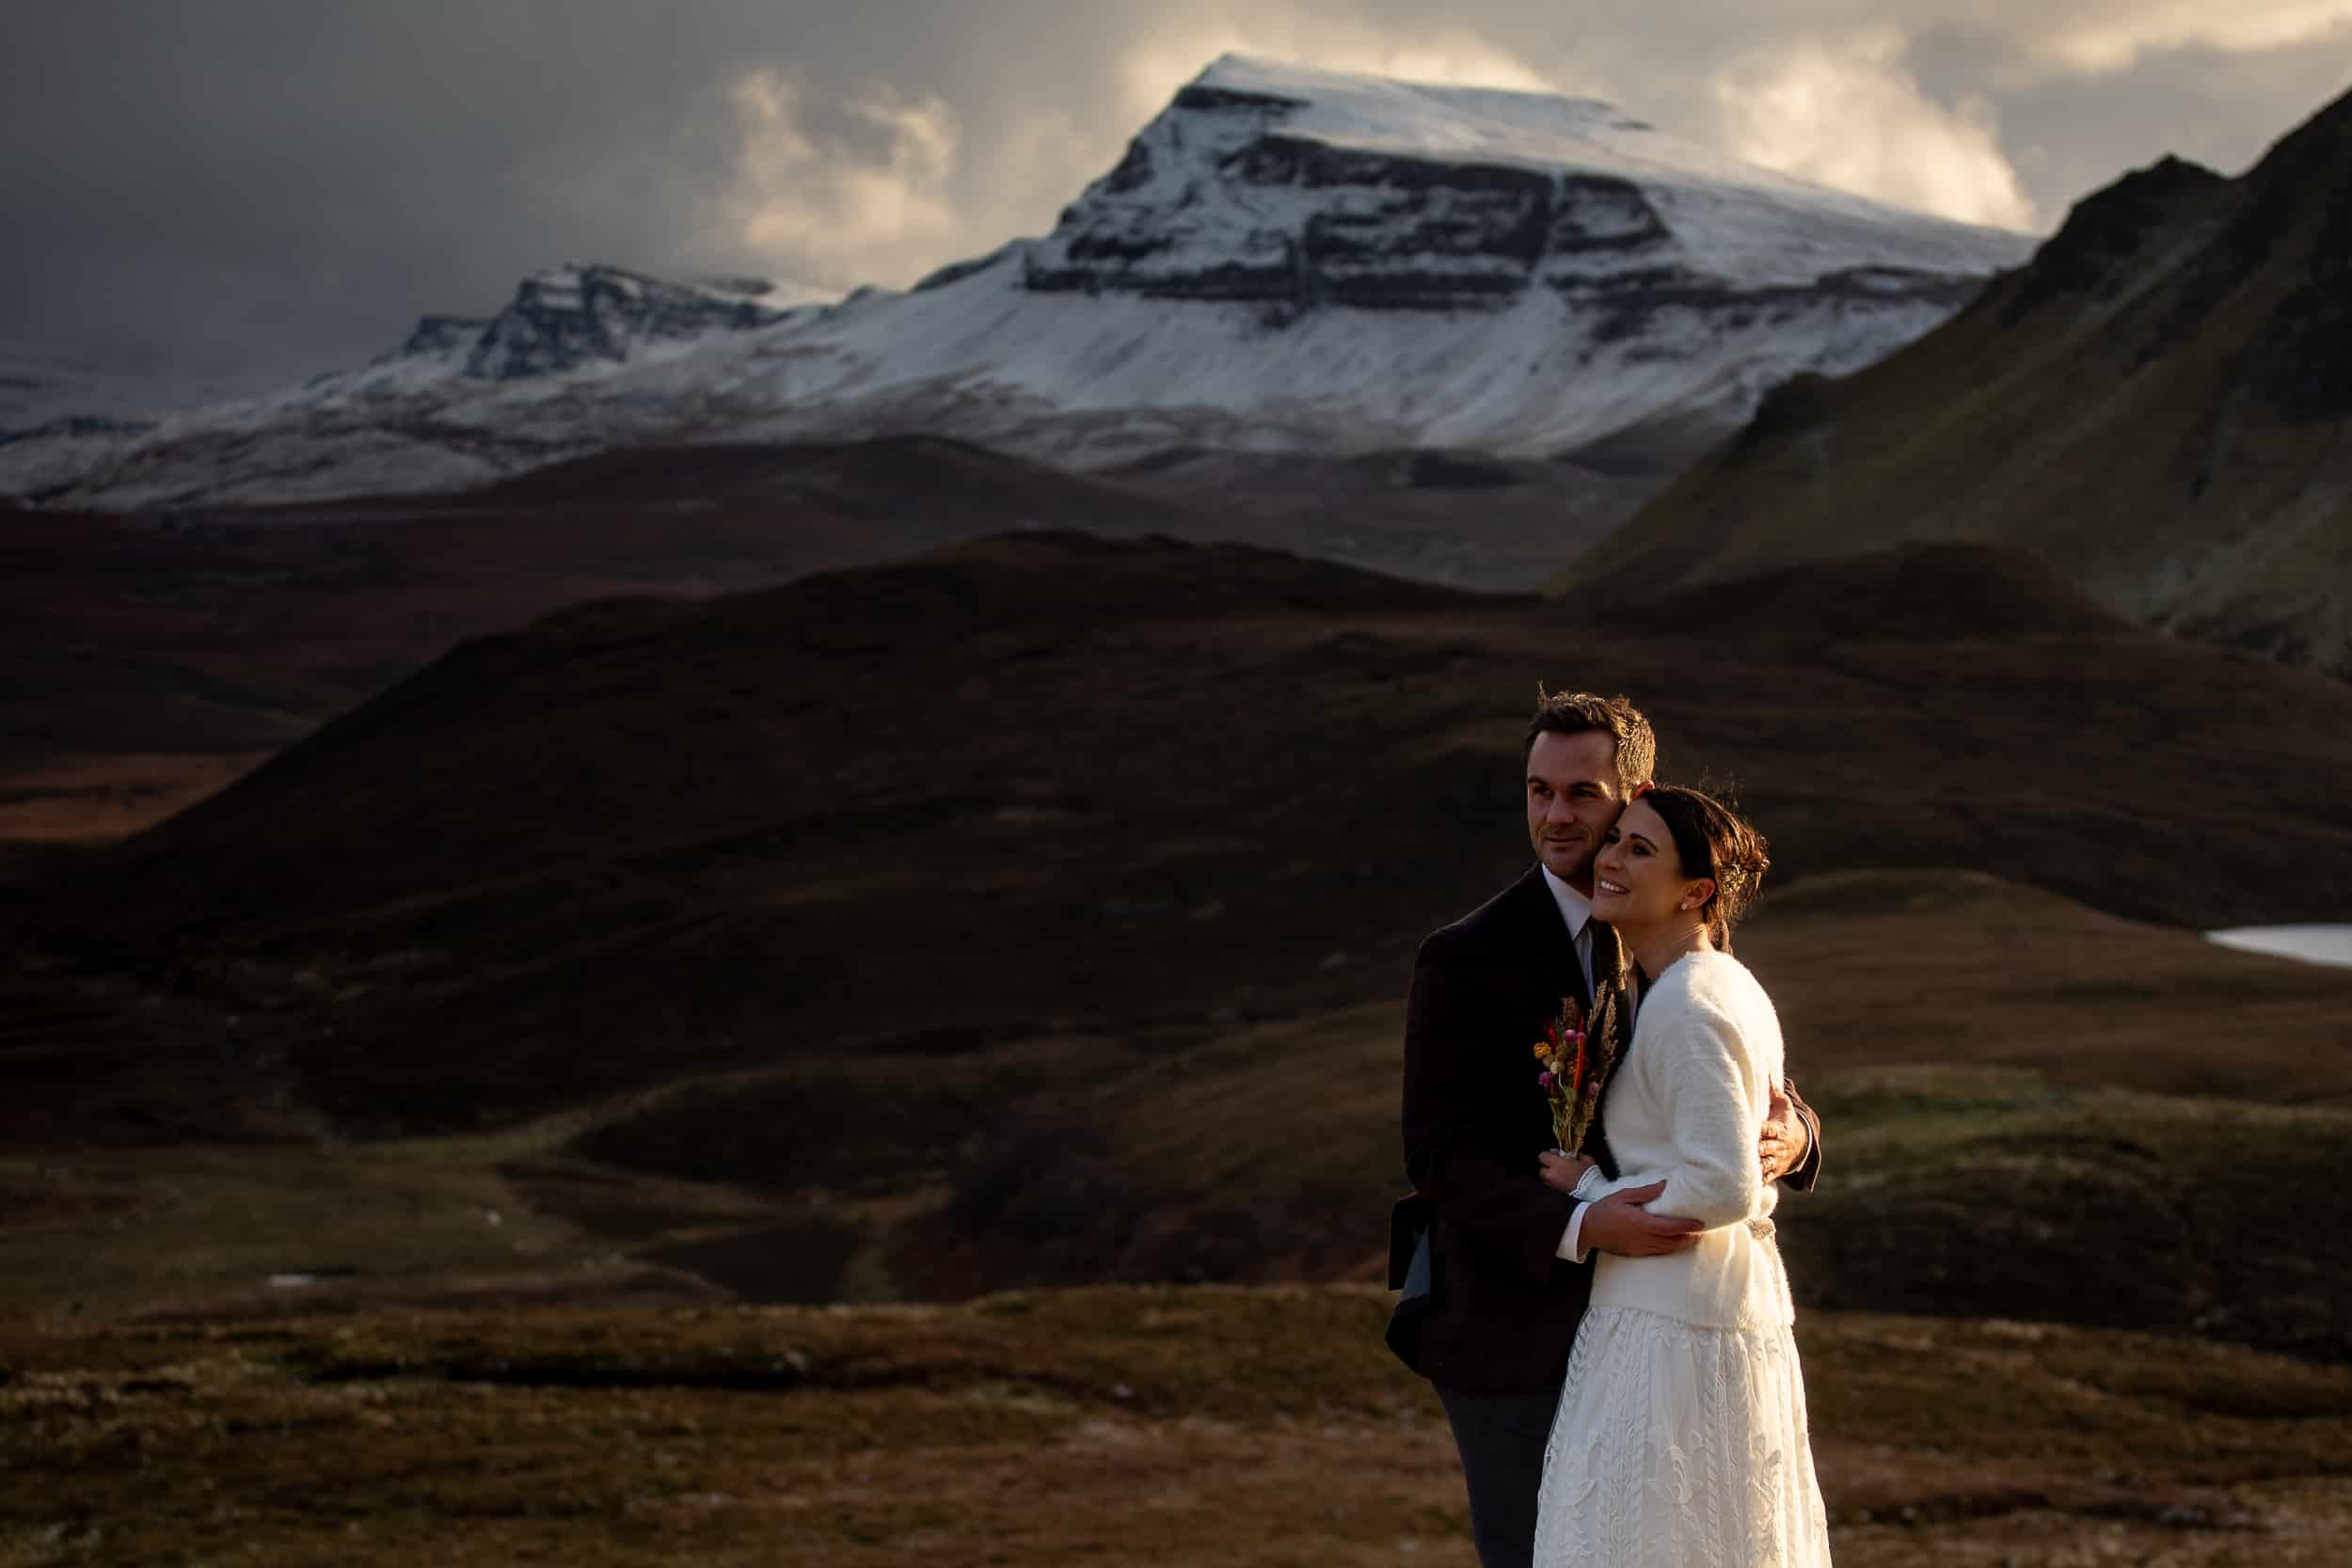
x=257 y=189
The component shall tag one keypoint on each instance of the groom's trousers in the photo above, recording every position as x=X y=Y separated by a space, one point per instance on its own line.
x=1502 y=1437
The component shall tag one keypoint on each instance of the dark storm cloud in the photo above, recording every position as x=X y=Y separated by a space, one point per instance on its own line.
x=2069 y=133
x=304 y=178
x=269 y=188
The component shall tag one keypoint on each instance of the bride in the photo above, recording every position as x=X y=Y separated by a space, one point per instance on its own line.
x=1680 y=1437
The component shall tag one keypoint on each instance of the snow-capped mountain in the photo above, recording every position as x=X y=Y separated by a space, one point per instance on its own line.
x=399 y=422
x=575 y=316
x=1285 y=260
x=562 y=319
x=565 y=320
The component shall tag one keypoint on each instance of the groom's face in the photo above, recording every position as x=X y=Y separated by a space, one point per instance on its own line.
x=1572 y=798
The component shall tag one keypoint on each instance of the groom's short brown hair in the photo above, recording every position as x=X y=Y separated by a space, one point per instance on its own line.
x=1578 y=712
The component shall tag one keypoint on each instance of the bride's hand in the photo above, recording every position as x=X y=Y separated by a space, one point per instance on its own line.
x=1563 y=1171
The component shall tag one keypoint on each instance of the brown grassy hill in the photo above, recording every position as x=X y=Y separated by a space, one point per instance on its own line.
x=2035 y=1111
x=150 y=660
x=153 y=658
x=2159 y=404
x=239 y=630
x=1263 y=1428
x=1039 y=910
x=1059 y=789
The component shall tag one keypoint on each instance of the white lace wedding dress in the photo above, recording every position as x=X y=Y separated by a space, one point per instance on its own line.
x=1680 y=1440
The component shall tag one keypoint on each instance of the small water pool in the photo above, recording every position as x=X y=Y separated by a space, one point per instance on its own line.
x=2313 y=945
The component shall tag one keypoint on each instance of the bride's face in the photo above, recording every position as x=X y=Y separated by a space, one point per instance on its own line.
x=1637 y=877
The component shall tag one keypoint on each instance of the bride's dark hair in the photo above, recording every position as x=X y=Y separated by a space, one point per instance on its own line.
x=1712 y=840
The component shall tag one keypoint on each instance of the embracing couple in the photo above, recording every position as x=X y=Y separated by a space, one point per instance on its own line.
x=1608 y=1327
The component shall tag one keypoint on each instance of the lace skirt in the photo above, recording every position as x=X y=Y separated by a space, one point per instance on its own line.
x=1680 y=1447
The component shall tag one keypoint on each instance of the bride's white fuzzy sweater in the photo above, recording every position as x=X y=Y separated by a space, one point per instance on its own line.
x=1686 y=1105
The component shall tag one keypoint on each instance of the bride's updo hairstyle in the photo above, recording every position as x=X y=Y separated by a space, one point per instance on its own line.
x=1712 y=840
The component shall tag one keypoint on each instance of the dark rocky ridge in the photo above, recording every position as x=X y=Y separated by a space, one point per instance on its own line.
x=572 y=316
x=2303 y=365
x=2110 y=230
x=445 y=335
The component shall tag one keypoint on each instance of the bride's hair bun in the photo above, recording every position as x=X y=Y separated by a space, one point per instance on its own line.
x=1712 y=840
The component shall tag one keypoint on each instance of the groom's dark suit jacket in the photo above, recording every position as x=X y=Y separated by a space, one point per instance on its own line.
x=1504 y=1306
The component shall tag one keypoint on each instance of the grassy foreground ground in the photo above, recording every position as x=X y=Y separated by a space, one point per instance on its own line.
x=1118 y=1425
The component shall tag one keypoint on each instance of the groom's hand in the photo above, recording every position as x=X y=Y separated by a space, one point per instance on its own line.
x=1620 y=1225
x=1780 y=1148
x=1562 y=1172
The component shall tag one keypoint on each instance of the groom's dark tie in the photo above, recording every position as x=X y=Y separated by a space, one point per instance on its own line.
x=1571 y=972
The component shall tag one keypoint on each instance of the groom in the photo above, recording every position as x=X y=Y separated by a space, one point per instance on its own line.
x=1509 y=1266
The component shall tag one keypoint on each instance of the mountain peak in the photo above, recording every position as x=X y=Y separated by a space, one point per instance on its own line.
x=2108 y=229
x=578 y=314
x=1265 y=76
x=2315 y=147
x=1291 y=188
x=1503 y=126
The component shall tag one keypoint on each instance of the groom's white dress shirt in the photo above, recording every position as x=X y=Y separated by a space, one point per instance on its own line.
x=1577 y=910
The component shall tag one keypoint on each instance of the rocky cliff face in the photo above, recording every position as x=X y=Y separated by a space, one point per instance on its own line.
x=568 y=317
x=1299 y=223
x=574 y=317
x=2297 y=225
x=446 y=338
x=1221 y=199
